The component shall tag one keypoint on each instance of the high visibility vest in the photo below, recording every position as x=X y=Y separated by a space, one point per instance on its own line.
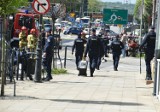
x=32 y=41
x=23 y=39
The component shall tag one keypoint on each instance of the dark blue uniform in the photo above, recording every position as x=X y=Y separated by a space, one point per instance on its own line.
x=149 y=41
x=116 y=47
x=93 y=49
x=47 y=60
x=101 y=53
x=79 y=49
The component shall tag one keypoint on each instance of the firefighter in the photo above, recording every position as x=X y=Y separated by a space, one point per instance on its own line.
x=22 y=53
x=23 y=38
x=32 y=41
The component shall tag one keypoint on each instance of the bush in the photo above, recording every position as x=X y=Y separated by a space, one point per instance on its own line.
x=59 y=71
x=142 y=55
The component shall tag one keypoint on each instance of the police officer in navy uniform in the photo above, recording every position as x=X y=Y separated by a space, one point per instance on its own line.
x=116 y=47
x=48 y=54
x=93 y=49
x=78 y=46
x=149 y=41
x=101 y=52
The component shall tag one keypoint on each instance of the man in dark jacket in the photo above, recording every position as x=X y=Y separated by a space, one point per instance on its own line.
x=48 y=54
x=78 y=46
x=93 y=50
x=116 y=47
x=101 y=52
x=149 y=41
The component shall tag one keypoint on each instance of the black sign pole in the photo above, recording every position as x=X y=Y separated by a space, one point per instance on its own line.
x=38 y=67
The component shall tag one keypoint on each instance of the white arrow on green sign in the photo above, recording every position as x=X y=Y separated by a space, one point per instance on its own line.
x=115 y=16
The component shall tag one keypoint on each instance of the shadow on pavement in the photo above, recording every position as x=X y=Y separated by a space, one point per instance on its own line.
x=72 y=101
x=97 y=102
x=66 y=82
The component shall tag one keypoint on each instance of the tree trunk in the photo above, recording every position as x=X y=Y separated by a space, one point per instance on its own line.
x=3 y=57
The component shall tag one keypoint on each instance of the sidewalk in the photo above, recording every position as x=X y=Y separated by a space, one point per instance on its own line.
x=108 y=91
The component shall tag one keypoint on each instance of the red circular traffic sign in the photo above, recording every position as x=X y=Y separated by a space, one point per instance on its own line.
x=41 y=6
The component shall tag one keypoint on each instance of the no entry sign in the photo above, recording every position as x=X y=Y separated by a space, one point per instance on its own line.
x=41 y=6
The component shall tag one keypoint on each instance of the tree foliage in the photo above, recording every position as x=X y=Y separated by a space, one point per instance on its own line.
x=11 y=6
x=147 y=13
x=94 y=5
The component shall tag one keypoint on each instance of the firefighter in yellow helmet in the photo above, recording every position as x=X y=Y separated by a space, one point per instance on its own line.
x=32 y=41
x=23 y=38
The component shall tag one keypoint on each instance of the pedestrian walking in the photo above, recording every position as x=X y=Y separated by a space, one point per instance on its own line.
x=48 y=54
x=93 y=49
x=116 y=47
x=78 y=46
x=124 y=40
x=101 y=52
x=105 y=43
x=149 y=43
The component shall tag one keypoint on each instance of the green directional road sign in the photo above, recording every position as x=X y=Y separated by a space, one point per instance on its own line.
x=115 y=16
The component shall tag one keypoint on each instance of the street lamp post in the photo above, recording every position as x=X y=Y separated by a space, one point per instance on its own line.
x=157 y=47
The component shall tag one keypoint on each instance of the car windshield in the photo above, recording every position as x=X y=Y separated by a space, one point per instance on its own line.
x=47 y=25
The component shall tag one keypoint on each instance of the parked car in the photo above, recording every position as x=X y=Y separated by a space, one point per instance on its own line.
x=73 y=30
x=58 y=27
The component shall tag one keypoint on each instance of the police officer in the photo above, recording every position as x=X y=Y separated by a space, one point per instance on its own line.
x=101 y=52
x=79 y=48
x=116 y=47
x=93 y=49
x=149 y=41
x=48 y=54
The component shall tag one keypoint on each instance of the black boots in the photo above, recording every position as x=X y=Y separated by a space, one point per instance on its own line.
x=148 y=77
x=91 y=72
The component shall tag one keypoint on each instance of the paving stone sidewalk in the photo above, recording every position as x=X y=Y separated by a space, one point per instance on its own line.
x=108 y=91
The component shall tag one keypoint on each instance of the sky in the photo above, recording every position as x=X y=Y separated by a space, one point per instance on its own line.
x=123 y=1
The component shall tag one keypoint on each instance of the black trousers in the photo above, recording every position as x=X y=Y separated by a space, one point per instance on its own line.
x=78 y=58
x=93 y=63
x=47 y=65
x=116 y=57
x=148 y=58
